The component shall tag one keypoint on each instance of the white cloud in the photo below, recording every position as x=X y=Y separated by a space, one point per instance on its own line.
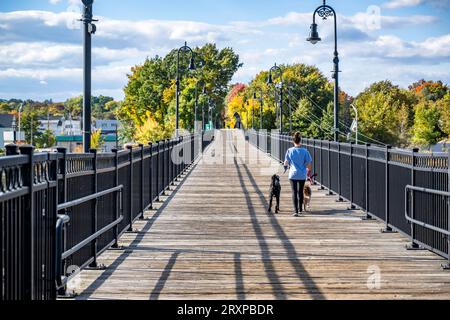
x=50 y=58
x=54 y=1
x=396 y=4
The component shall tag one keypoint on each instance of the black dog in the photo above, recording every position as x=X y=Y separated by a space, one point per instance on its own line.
x=275 y=191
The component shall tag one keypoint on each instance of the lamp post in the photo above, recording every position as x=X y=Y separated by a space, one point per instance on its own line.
x=203 y=111
x=290 y=109
x=89 y=30
x=246 y=109
x=196 y=106
x=183 y=49
x=210 y=122
x=324 y=11
x=20 y=117
x=261 y=105
x=253 y=117
x=277 y=69
x=356 y=123
x=14 y=127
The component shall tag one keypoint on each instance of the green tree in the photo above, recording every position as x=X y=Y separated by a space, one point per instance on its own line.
x=379 y=117
x=45 y=139
x=426 y=124
x=444 y=110
x=30 y=125
x=151 y=86
x=73 y=106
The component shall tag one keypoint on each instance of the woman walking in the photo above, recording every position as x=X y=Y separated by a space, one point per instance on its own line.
x=299 y=161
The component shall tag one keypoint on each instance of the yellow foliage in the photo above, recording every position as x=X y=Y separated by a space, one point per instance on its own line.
x=153 y=131
x=243 y=107
x=169 y=93
x=236 y=105
x=96 y=139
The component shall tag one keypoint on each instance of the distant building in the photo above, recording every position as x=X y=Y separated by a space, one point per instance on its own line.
x=74 y=144
x=107 y=126
x=6 y=129
x=52 y=123
x=70 y=127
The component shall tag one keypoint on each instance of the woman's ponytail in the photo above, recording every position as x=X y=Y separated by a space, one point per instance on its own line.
x=297 y=138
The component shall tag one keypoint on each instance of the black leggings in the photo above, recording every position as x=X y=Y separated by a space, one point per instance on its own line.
x=297 y=194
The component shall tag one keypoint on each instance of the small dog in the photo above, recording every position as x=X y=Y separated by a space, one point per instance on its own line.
x=307 y=194
x=275 y=191
x=307 y=191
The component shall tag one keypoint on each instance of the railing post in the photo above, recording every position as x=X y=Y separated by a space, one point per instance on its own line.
x=366 y=178
x=116 y=205
x=12 y=150
x=388 y=228
x=180 y=156
x=141 y=146
x=150 y=173
x=163 y=171
x=321 y=165
x=447 y=267
x=330 y=193
x=339 y=173
x=352 y=205
x=94 y=225
x=171 y=163
x=414 y=245
x=167 y=164
x=157 y=169
x=29 y=224
x=130 y=200
x=63 y=170
x=314 y=159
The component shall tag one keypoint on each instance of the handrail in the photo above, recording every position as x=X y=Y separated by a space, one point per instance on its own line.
x=409 y=188
x=64 y=219
x=88 y=198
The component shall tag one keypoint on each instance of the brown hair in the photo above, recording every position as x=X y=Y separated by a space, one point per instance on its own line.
x=297 y=138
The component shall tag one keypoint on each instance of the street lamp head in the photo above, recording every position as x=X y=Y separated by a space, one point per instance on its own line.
x=270 y=80
x=314 y=35
x=192 y=64
x=254 y=95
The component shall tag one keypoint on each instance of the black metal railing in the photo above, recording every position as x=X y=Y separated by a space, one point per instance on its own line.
x=60 y=211
x=375 y=178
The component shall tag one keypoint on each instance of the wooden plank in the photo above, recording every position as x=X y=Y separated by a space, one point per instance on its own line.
x=215 y=240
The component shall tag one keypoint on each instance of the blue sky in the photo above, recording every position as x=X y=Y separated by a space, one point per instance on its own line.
x=41 y=52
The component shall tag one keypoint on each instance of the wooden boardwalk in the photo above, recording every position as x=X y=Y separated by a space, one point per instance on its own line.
x=214 y=240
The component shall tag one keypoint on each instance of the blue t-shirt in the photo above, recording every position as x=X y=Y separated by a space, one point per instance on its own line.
x=298 y=159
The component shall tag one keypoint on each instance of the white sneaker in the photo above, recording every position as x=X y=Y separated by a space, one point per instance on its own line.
x=296 y=215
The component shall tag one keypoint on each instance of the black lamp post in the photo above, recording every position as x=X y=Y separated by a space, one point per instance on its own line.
x=210 y=116
x=253 y=117
x=324 y=11
x=89 y=30
x=277 y=69
x=203 y=110
x=290 y=109
x=183 y=49
x=14 y=127
x=261 y=105
x=196 y=104
x=246 y=110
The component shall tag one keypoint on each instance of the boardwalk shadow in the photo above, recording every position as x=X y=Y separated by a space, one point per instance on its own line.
x=164 y=276
x=291 y=252
x=87 y=293
x=269 y=267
